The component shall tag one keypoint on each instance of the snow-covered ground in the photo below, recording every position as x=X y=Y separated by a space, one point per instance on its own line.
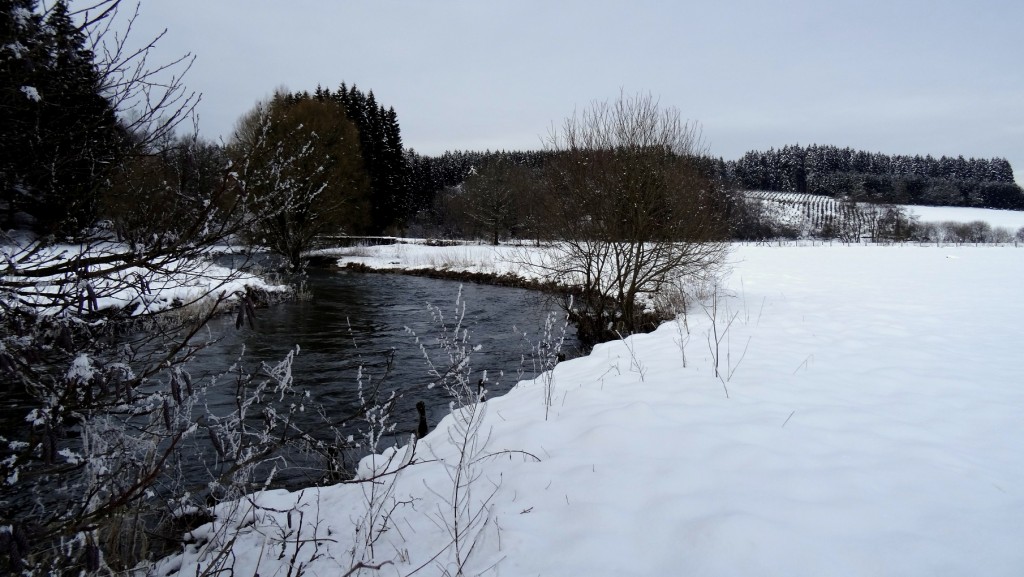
x=868 y=421
x=1011 y=220
x=140 y=289
x=415 y=255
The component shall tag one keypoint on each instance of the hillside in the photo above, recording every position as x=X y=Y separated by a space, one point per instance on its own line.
x=810 y=215
x=876 y=177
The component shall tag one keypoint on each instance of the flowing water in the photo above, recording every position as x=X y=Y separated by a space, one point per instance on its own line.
x=352 y=324
x=362 y=321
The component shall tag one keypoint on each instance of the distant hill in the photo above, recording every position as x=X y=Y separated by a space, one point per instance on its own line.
x=875 y=177
x=772 y=214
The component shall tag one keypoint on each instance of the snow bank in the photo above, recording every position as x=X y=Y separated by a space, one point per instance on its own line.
x=468 y=258
x=137 y=288
x=872 y=427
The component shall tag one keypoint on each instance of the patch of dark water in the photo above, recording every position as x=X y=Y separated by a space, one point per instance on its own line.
x=362 y=323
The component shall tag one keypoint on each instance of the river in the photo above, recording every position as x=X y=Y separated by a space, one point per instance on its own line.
x=355 y=320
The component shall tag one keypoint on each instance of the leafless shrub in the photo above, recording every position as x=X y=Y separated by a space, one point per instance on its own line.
x=632 y=209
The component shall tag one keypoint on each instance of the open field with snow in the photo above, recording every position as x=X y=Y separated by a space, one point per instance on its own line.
x=867 y=420
x=1009 y=219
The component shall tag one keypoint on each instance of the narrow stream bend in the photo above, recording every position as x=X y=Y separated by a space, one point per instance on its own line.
x=365 y=321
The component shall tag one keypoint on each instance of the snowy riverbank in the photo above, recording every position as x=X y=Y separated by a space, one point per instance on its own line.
x=119 y=279
x=867 y=421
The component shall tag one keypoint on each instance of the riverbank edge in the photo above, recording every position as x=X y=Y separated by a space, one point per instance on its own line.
x=506 y=279
x=651 y=320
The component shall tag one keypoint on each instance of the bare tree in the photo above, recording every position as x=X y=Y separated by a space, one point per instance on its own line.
x=496 y=197
x=151 y=99
x=634 y=209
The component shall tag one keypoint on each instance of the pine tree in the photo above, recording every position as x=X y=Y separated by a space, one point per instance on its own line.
x=397 y=180
x=383 y=157
x=64 y=135
x=20 y=61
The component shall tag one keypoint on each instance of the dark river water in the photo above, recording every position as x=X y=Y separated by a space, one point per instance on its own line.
x=359 y=323
x=356 y=321
x=350 y=324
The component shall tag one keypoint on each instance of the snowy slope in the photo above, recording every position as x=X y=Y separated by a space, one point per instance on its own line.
x=873 y=427
x=790 y=207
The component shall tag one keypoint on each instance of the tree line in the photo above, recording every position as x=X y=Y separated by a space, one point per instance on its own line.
x=65 y=171
x=458 y=197
x=876 y=177
x=71 y=161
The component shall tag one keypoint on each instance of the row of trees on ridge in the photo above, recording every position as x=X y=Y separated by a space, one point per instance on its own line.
x=877 y=177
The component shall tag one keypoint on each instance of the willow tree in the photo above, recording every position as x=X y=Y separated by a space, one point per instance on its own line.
x=634 y=209
x=300 y=167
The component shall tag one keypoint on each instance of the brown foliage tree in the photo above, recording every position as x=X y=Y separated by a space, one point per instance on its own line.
x=302 y=168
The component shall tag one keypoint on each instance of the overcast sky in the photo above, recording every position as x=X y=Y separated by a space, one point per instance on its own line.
x=902 y=77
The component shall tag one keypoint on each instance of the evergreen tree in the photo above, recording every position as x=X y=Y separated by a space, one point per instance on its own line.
x=60 y=135
x=20 y=36
x=383 y=157
x=832 y=171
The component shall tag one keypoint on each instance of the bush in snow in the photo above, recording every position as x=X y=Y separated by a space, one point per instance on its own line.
x=633 y=210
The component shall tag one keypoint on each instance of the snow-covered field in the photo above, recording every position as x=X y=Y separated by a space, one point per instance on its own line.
x=868 y=421
x=1011 y=220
